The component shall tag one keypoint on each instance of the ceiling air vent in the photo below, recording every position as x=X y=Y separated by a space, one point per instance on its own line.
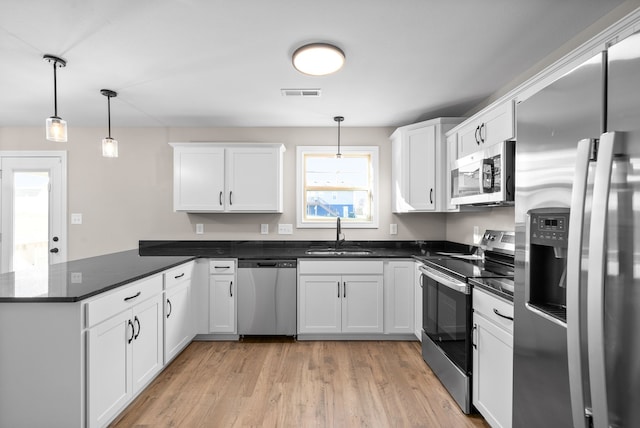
x=300 y=92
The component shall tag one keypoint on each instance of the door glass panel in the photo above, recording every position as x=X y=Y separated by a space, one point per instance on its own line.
x=31 y=219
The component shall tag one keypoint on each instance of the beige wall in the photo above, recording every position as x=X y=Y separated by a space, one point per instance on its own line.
x=127 y=199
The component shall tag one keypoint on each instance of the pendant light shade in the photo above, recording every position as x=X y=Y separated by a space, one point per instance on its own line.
x=338 y=119
x=109 y=145
x=318 y=59
x=56 y=128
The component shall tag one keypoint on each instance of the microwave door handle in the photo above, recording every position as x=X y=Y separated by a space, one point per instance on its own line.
x=574 y=289
x=610 y=144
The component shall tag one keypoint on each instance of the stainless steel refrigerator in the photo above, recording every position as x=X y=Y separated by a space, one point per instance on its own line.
x=577 y=221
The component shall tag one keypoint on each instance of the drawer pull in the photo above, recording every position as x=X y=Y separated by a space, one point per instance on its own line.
x=495 y=311
x=221 y=267
x=179 y=276
x=126 y=299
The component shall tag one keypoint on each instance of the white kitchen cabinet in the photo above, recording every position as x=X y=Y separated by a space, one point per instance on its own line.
x=490 y=127
x=222 y=296
x=178 y=310
x=227 y=177
x=124 y=347
x=399 y=296
x=340 y=296
x=452 y=156
x=492 y=358
x=418 y=166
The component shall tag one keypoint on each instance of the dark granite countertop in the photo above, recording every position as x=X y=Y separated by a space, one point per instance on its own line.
x=79 y=279
x=295 y=249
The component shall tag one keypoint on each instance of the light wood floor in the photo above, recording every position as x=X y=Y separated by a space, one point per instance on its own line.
x=297 y=384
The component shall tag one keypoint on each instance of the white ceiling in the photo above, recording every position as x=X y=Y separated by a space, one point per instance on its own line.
x=212 y=63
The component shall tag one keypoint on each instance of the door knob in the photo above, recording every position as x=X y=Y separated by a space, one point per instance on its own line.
x=55 y=239
x=54 y=250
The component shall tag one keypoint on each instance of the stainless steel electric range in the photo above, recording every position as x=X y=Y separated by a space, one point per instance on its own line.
x=447 y=307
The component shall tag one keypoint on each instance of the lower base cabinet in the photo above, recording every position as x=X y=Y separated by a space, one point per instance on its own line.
x=125 y=352
x=350 y=301
x=492 y=358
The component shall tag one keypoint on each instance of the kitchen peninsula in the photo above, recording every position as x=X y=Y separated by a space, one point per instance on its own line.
x=52 y=320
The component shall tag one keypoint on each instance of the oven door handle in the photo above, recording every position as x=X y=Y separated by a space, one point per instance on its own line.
x=447 y=281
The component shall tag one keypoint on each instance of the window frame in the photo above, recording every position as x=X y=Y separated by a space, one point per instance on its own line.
x=372 y=151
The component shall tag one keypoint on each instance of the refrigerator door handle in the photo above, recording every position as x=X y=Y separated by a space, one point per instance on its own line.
x=610 y=144
x=574 y=291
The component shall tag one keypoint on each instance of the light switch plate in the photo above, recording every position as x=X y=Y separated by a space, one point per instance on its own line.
x=285 y=229
x=199 y=228
x=76 y=218
x=264 y=229
x=393 y=229
x=76 y=277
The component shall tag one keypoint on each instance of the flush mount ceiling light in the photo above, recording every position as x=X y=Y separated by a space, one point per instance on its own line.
x=55 y=126
x=318 y=59
x=109 y=145
x=338 y=119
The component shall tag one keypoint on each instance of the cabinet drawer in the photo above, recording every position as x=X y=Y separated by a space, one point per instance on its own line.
x=121 y=299
x=486 y=305
x=178 y=275
x=340 y=267
x=222 y=266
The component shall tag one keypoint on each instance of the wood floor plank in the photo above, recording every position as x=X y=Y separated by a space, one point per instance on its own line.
x=297 y=384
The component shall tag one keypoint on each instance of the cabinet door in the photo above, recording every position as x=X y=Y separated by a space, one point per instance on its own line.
x=177 y=319
x=109 y=385
x=420 y=159
x=398 y=297
x=198 y=179
x=254 y=179
x=492 y=372
x=499 y=124
x=319 y=304
x=147 y=341
x=362 y=304
x=222 y=304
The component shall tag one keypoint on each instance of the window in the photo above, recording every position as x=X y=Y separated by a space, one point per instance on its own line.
x=329 y=187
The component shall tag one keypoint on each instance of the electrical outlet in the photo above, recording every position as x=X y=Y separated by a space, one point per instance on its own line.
x=76 y=277
x=285 y=229
x=199 y=228
x=264 y=229
x=393 y=229
x=76 y=218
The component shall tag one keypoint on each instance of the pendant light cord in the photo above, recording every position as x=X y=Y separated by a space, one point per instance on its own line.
x=109 y=114
x=338 y=119
x=55 y=90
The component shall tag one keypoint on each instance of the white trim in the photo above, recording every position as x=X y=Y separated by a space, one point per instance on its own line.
x=374 y=223
x=614 y=33
x=62 y=154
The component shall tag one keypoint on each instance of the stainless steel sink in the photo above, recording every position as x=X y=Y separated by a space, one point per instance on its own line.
x=338 y=252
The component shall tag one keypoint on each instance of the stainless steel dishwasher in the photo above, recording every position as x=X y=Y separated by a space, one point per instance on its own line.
x=267 y=297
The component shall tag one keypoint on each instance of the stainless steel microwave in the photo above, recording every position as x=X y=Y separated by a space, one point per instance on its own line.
x=485 y=177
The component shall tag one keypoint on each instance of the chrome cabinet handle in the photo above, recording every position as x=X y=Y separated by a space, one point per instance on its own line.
x=495 y=311
x=230 y=200
x=338 y=289
x=431 y=196
x=220 y=198
x=344 y=287
x=476 y=135
x=169 y=308
x=231 y=289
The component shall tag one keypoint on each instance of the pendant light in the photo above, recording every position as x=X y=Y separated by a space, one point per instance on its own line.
x=55 y=126
x=338 y=119
x=109 y=145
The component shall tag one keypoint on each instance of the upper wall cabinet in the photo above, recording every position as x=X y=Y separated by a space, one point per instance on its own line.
x=419 y=166
x=495 y=125
x=227 y=177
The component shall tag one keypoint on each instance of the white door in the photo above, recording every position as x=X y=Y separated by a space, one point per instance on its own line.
x=33 y=211
x=362 y=310
x=222 y=304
